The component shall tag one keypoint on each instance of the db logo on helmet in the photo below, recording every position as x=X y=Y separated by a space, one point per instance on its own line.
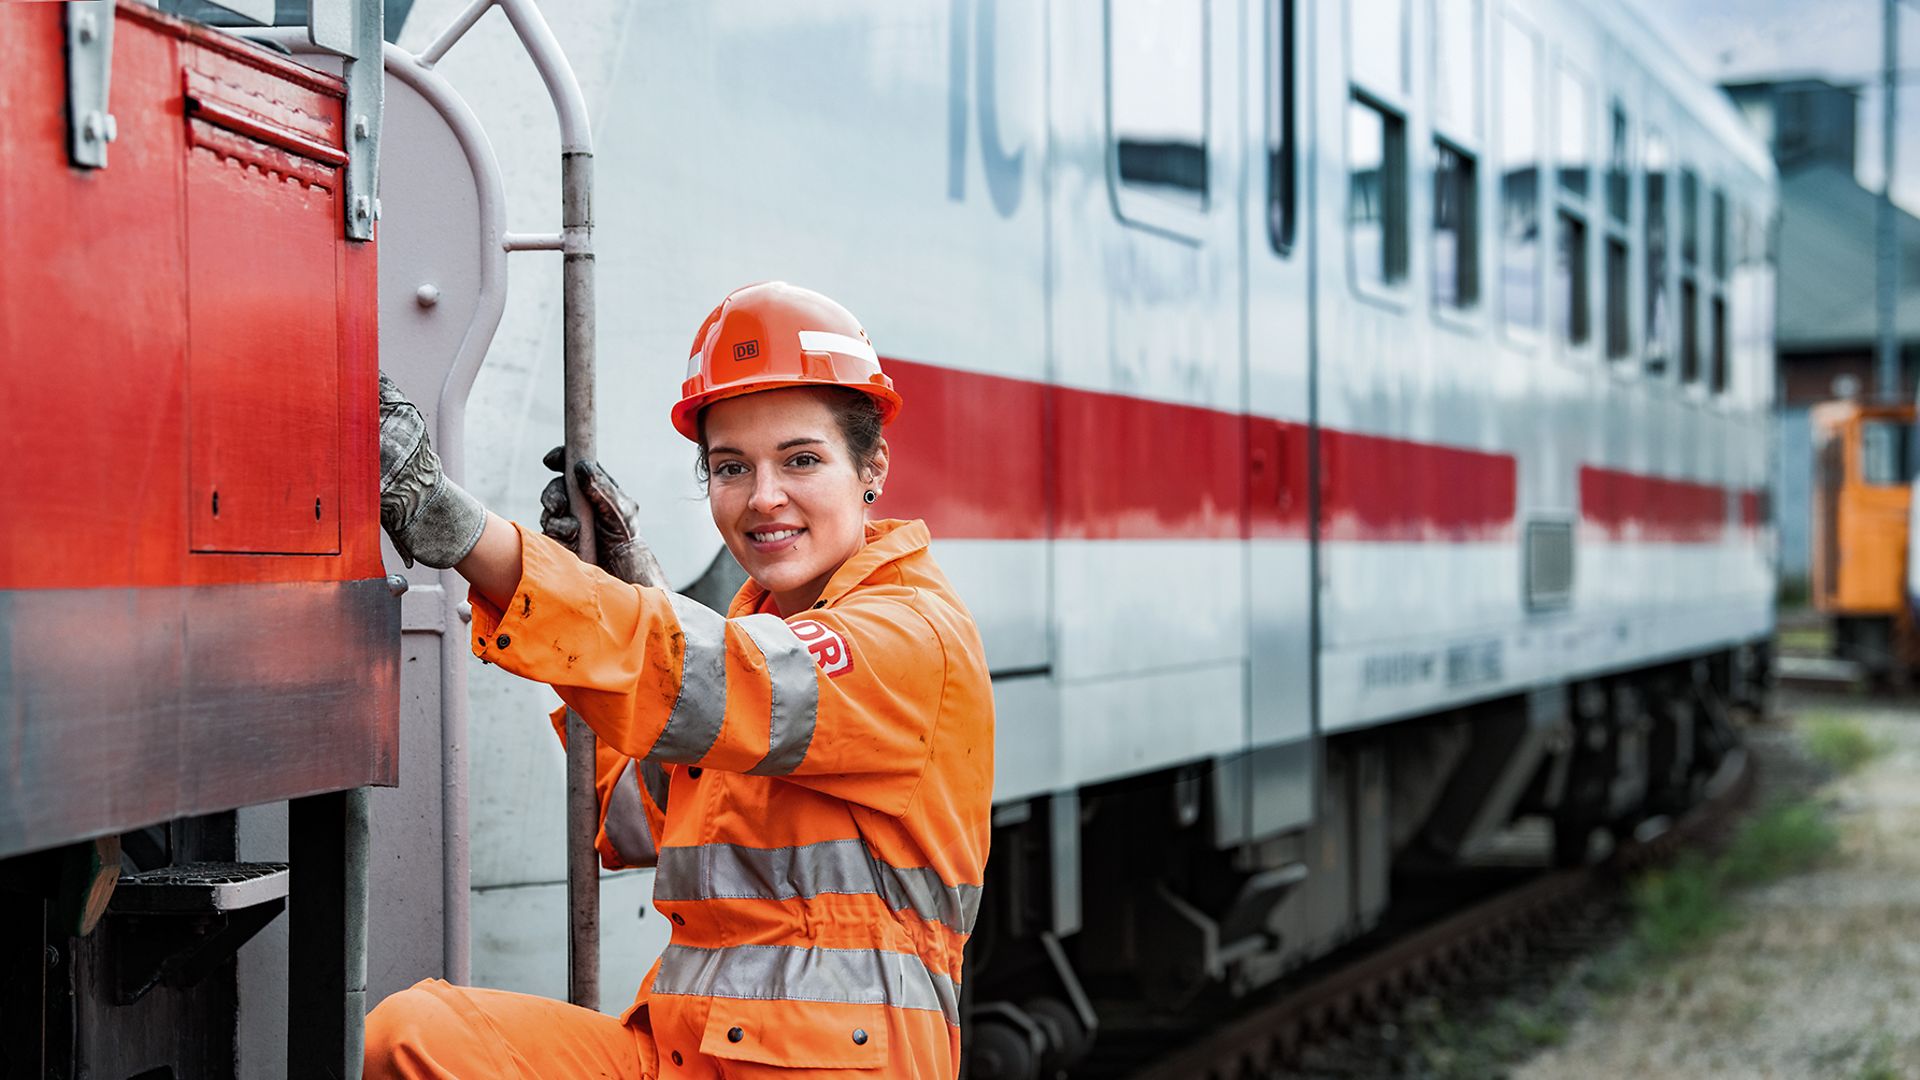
x=829 y=649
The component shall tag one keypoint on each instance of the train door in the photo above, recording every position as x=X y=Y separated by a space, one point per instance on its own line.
x=1147 y=408
x=1278 y=303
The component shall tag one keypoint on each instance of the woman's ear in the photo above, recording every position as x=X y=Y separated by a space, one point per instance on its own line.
x=876 y=472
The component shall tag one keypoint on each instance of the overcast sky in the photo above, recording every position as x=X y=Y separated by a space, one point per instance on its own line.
x=1838 y=39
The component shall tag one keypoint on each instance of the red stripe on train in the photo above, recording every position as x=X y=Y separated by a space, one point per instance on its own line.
x=1625 y=506
x=972 y=453
x=988 y=457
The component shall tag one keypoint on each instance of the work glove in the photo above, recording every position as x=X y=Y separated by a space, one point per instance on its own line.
x=430 y=518
x=617 y=544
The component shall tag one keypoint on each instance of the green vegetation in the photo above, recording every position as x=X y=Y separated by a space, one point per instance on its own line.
x=1684 y=906
x=1840 y=743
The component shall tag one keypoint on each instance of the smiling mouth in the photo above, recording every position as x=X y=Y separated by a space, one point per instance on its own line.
x=774 y=536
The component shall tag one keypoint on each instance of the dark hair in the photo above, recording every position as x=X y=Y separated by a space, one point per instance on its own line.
x=857 y=414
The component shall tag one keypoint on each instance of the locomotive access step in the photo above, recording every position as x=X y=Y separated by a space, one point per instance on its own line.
x=177 y=924
x=200 y=888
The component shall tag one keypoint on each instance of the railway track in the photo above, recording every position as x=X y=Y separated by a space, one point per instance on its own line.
x=1269 y=1039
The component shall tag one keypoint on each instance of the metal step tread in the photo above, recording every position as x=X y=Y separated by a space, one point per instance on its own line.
x=201 y=887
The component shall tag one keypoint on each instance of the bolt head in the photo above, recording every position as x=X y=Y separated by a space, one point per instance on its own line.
x=362 y=207
x=361 y=128
x=427 y=295
x=84 y=27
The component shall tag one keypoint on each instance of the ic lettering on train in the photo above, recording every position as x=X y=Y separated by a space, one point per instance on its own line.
x=829 y=649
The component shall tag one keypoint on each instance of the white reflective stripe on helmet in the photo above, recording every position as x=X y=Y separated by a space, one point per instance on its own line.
x=824 y=341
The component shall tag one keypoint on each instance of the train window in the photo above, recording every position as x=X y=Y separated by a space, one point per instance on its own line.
x=1717 y=376
x=1656 y=233
x=1376 y=192
x=1619 y=165
x=1519 y=176
x=1156 y=59
x=1883 y=453
x=1689 y=329
x=1377 y=43
x=1570 y=274
x=1575 y=149
x=1719 y=249
x=1456 y=69
x=1689 y=217
x=1619 y=333
x=1282 y=169
x=1572 y=294
x=1456 y=166
x=1456 y=263
x=1619 y=327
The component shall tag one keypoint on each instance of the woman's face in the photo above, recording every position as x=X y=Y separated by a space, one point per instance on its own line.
x=785 y=491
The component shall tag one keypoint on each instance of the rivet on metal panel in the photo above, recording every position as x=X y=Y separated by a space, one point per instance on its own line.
x=466 y=611
x=362 y=207
x=427 y=295
x=361 y=128
x=397 y=584
x=85 y=27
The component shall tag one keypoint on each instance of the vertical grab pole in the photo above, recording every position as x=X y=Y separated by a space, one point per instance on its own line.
x=576 y=245
x=583 y=803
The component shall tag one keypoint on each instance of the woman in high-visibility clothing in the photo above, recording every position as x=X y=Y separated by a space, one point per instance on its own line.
x=811 y=773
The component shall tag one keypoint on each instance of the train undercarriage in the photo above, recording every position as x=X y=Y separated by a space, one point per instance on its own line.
x=1060 y=930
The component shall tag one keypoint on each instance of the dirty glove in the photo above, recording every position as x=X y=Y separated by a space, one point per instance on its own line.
x=429 y=517
x=617 y=541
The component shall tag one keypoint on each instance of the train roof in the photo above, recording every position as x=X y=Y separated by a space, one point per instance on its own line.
x=1629 y=23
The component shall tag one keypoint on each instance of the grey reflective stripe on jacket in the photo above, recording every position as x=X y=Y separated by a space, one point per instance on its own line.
x=795 y=973
x=701 y=707
x=794 y=690
x=844 y=867
x=626 y=823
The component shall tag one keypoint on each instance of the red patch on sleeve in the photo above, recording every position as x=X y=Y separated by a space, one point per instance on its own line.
x=829 y=649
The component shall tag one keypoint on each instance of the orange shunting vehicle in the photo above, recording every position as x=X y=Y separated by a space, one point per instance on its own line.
x=1861 y=497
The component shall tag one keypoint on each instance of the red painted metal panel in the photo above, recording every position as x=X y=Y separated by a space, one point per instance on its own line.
x=968 y=453
x=1384 y=489
x=100 y=328
x=1624 y=506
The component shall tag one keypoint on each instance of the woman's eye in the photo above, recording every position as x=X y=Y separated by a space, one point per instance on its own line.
x=805 y=461
x=729 y=468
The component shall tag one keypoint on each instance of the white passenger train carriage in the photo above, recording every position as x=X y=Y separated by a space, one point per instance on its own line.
x=1347 y=422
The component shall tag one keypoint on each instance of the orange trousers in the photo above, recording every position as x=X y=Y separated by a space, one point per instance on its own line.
x=437 y=1030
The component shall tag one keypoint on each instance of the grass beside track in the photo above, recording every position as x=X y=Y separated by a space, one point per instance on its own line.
x=1675 y=912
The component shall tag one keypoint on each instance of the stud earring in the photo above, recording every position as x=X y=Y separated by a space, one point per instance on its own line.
x=870 y=496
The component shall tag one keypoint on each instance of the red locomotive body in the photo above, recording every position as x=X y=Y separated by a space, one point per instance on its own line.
x=193 y=612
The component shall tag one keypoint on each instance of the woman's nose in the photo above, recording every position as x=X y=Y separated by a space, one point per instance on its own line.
x=768 y=495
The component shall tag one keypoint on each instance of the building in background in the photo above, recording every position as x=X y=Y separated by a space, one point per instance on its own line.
x=1826 y=306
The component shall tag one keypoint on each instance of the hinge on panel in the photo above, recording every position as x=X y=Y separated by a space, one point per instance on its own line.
x=90 y=127
x=355 y=30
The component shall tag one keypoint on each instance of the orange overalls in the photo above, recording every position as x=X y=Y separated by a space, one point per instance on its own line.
x=816 y=792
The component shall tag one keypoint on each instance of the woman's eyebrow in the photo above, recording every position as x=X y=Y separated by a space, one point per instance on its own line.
x=791 y=443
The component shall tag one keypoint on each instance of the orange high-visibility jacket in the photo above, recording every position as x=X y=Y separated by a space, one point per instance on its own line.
x=816 y=792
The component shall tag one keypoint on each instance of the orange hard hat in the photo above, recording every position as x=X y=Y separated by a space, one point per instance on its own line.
x=773 y=335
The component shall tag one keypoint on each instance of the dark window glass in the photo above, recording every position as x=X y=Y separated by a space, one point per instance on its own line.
x=1720 y=234
x=1883 y=452
x=1282 y=202
x=1619 y=166
x=1657 y=288
x=1718 y=376
x=1570 y=280
x=1619 y=335
x=1519 y=177
x=1376 y=193
x=1689 y=331
x=1689 y=217
x=1456 y=275
x=1157 y=81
